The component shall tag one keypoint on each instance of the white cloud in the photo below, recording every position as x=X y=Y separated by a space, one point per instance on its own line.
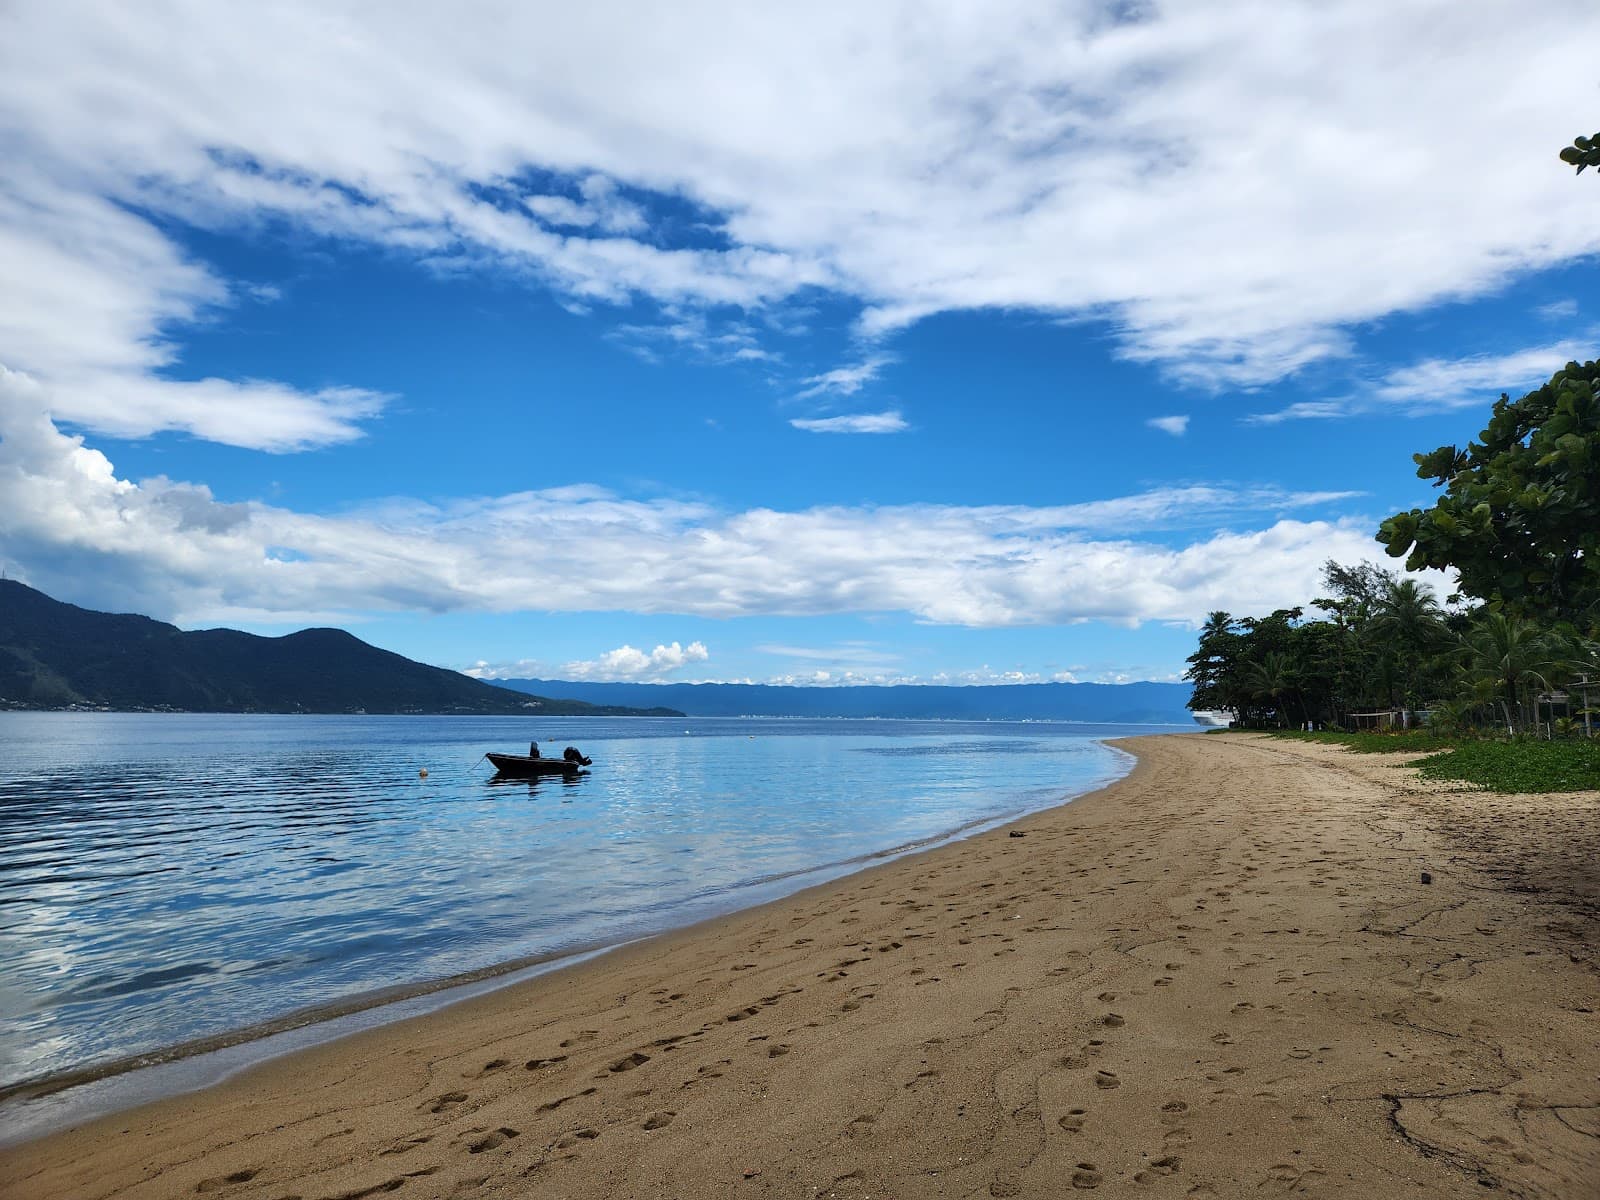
x=628 y=663
x=1558 y=310
x=1176 y=426
x=848 y=652
x=1441 y=385
x=846 y=381
x=91 y=293
x=1231 y=188
x=722 y=341
x=601 y=208
x=883 y=422
x=77 y=530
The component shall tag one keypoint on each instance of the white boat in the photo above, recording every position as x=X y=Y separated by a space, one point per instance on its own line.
x=1217 y=718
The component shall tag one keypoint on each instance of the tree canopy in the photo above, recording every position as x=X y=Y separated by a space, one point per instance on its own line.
x=1584 y=152
x=1519 y=521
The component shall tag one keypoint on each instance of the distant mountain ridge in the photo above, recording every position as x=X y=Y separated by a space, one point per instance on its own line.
x=1145 y=703
x=56 y=655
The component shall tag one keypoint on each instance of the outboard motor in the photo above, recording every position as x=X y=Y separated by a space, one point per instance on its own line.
x=572 y=755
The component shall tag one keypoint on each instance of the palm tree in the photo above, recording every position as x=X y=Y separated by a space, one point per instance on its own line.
x=1504 y=657
x=1272 y=679
x=1410 y=627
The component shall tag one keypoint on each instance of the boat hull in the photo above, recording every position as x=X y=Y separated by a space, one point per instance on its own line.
x=522 y=766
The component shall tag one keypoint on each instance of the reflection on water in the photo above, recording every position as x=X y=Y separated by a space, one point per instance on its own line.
x=165 y=877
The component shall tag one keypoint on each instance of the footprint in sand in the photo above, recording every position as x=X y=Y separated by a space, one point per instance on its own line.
x=222 y=1181
x=552 y=1105
x=1007 y=1183
x=777 y=1051
x=658 y=1120
x=538 y=1064
x=489 y=1068
x=1292 y=1177
x=629 y=1063
x=1105 y=1079
x=576 y=1136
x=447 y=1101
x=493 y=1140
x=1086 y=1176
x=1073 y=1121
x=1114 y=1020
x=587 y=1035
x=405 y=1147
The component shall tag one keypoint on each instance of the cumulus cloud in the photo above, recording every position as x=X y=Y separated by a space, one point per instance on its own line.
x=1176 y=426
x=75 y=528
x=883 y=422
x=1229 y=224
x=1441 y=384
x=628 y=663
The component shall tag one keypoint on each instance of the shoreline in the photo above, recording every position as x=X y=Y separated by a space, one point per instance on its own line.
x=323 y=1023
x=1223 y=971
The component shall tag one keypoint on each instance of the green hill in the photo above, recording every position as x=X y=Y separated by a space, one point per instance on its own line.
x=55 y=655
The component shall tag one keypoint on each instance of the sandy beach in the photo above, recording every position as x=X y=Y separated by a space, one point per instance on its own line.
x=1249 y=968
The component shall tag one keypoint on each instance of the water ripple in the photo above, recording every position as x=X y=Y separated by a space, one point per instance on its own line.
x=166 y=877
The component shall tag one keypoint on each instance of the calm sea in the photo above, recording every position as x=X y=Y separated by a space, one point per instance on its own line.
x=171 y=877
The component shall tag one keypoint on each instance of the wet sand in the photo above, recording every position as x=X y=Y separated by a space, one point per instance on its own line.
x=1223 y=976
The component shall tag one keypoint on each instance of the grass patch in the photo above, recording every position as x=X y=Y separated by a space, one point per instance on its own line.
x=1500 y=766
x=1415 y=741
x=1519 y=766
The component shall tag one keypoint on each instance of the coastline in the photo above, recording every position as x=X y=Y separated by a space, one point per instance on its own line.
x=247 y=1046
x=1221 y=971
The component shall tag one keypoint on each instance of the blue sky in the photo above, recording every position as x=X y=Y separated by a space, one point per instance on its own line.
x=930 y=342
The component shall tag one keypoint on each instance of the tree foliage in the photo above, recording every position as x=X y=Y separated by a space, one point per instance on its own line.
x=1584 y=152
x=1380 y=646
x=1519 y=521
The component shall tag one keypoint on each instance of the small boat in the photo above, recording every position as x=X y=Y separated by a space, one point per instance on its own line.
x=523 y=766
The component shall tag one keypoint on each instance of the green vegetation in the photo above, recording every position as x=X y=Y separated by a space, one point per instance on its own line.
x=1584 y=152
x=1502 y=678
x=1521 y=766
x=1410 y=741
x=1388 y=647
x=1520 y=518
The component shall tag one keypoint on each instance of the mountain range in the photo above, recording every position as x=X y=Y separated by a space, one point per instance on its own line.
x=1143 y=703
x=56 y=655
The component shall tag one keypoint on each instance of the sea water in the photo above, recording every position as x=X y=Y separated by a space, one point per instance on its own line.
x=172 y=877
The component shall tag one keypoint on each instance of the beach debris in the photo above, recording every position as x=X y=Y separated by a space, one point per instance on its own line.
x=1017 y=833
x=750 y=1172
x=1427 y=878
x=422 y=774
